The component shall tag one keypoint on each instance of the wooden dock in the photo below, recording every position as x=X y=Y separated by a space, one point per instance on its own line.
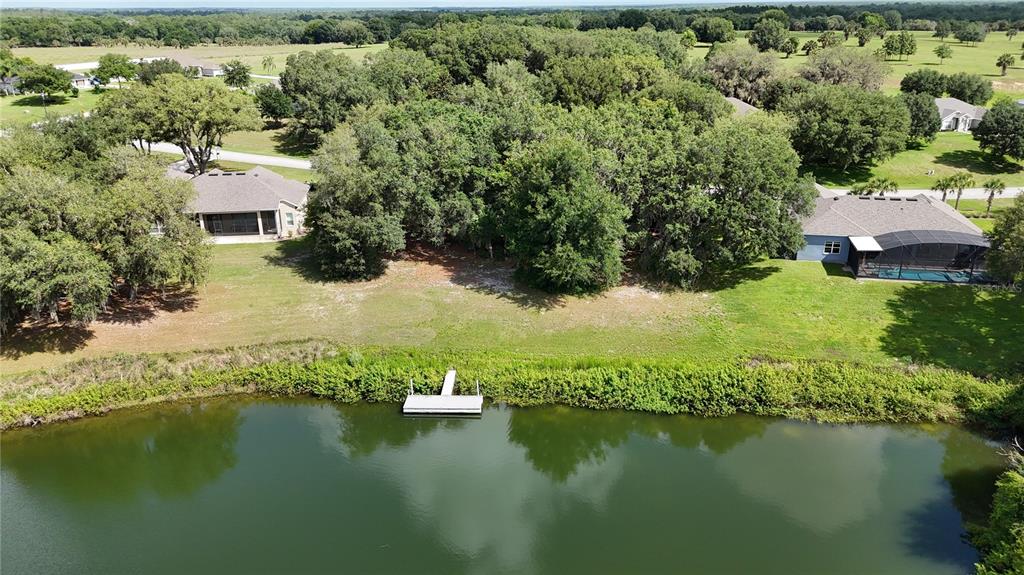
x=447 y=403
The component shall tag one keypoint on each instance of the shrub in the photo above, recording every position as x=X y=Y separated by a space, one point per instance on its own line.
x=823 y=390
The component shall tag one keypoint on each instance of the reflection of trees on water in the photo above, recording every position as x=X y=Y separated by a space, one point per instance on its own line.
x=558 y=439
x=971 y=468
x=368 y=427
x=172 y=451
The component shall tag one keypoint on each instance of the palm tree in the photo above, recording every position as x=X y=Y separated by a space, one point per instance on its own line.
x=942 y=185
x=1005 y=61
x=880 y=186
x=268 y=63
x=958 y=182
x=993 y=188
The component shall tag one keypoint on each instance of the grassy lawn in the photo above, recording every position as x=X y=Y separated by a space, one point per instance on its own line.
x=23 y=110
x=267 y=292
x=976 y=208
x=948 y=153
x=975 y=211
x=269 y=142
x=307 y=176
x=985 y=224
x=252 y=55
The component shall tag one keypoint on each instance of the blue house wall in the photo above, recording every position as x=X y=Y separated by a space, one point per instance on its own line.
x=815 y=249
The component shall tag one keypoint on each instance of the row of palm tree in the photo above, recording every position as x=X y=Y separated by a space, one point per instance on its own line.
x=955 y=184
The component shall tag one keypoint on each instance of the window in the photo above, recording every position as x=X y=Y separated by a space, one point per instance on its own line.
x=833 y=248
x=290 y=217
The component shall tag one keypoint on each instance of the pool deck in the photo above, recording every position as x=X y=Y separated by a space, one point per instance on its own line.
x=446 y=403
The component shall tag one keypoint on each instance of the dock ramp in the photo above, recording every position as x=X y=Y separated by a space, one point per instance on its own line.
x=447 y=403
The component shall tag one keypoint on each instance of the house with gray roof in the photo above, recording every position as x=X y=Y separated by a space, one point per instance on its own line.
x=244 y=206
x=957 y=115
x=81 y=81
x=918 y=238
x=741 y=108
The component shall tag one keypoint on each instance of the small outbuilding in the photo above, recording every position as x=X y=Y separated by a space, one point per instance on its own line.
x=910 y=238
x=957 y=115
x=247 y=206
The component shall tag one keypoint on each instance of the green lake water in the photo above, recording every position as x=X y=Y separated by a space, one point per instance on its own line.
x=303 y=486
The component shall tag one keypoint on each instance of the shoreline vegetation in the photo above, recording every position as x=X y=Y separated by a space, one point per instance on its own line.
x=821 y=390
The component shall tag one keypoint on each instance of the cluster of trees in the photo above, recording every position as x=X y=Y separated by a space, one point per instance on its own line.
x=839 y=116
x=971 y=88
x=566 y=151
x=36 y=78
x=194 y=115
x=568 y=67
x=565 y=192
x=78 y=214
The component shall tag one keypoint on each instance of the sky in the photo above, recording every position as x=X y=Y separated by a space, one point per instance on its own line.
x=383 y=4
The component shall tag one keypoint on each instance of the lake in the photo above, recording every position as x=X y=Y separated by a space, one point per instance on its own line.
x=255 y=485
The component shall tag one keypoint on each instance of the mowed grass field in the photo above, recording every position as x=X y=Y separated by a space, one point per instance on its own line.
x=975 y=211
x=451 y=300
x=270 y=141
x=24 y=110
x=252 y=55
x=949 y=153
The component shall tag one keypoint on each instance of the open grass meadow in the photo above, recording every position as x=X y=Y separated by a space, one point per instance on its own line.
x=270 y=141
x=452 y=301
x=950 y=152
x=252 y=55
x=24 y=110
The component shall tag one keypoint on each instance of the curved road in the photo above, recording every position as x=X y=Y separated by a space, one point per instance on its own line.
x=230 y=156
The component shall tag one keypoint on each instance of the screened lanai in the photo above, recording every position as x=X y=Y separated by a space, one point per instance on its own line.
x=922 y=255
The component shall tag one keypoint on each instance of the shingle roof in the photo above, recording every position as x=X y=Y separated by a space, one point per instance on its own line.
x=256 y=189
x=877 y=215
x=741 y=108
x=949 y=106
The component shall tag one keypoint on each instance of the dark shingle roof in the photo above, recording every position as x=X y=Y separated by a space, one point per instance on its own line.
x=256 y=189
x=949 y=106
x=877 y=215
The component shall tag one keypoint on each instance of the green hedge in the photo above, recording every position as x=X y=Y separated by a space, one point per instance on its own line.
x=1002 y=541
x=828 y=391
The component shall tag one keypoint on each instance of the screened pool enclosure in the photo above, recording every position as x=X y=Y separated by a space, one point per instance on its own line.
x=922 y=255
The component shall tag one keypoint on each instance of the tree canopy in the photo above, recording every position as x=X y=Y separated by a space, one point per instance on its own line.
x=115 y=66
x=841 y=126
x=1001 y=130
x=1005 y=258
x=192 y=115
x=78 y=224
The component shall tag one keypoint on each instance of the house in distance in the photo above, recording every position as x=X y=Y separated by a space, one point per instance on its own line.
x=957 y=115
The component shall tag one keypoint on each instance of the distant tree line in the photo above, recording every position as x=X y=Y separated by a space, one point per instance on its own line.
x=188 y=28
